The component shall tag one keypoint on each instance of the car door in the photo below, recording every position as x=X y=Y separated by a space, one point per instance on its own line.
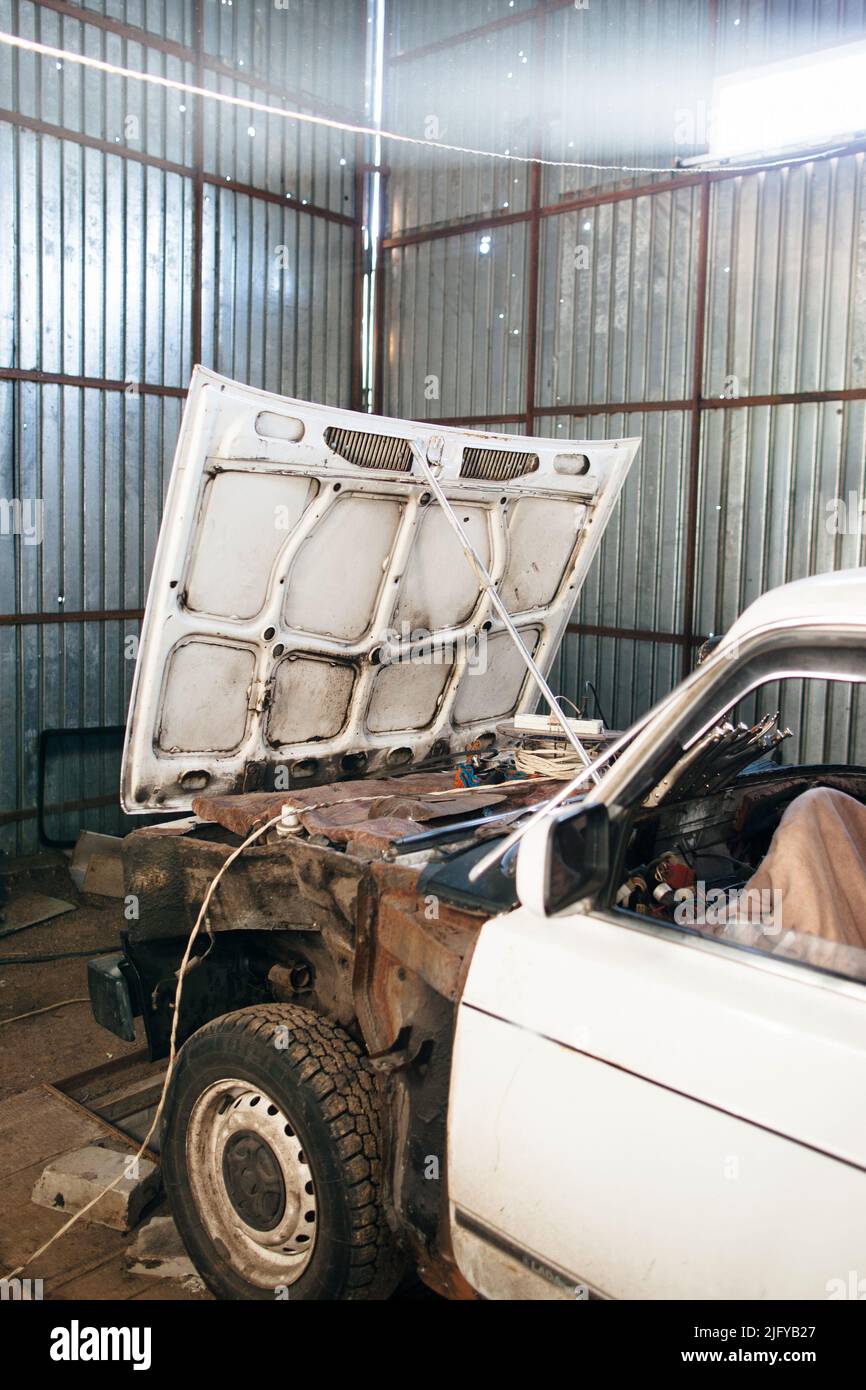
x=644 y=1113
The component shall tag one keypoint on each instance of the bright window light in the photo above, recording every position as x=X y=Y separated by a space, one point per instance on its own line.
x=817 y=99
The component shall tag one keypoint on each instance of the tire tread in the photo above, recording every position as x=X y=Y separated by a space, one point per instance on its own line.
x=331 y=1065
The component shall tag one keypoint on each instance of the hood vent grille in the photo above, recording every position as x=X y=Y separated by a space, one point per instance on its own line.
x=370 y=450
x=497 y=465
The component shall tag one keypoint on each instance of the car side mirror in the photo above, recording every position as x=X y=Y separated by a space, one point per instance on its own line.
x=564 y=858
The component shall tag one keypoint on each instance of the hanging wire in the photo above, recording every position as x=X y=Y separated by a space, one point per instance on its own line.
x=64 y=55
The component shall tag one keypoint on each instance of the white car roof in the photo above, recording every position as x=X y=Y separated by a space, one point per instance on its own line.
x=836 y=597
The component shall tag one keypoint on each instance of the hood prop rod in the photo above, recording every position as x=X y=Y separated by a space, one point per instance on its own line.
x=488 y=587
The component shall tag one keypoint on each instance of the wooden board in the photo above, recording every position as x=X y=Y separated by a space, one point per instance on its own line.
x=89 y=1261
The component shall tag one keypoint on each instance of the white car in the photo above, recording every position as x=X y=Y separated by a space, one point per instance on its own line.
x=396 y=1056
x=640 y=1108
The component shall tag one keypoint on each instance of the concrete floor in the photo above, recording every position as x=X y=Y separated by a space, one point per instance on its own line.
x=53 y=1045
x=37 y=1123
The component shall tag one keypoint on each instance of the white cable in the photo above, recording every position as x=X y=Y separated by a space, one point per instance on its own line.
x=46 y=1009
x=64 y=55
x=501 y=848
x=172 y=1052
x=561 y=765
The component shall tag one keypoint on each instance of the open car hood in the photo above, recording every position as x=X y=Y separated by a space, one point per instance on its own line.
x=311 y=613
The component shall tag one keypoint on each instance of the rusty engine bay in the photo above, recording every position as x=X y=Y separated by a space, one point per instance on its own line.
x=378 y=736
x=343 y=610
x=358 y=906
x=335 y=910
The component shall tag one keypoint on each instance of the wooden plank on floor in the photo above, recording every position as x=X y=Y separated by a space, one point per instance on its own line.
x=90 y=1261
x=35 y=1125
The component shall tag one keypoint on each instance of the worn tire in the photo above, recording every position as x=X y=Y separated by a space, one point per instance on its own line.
x=314 y=1077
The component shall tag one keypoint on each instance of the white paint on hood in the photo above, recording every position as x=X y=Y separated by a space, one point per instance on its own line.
x=311 y=617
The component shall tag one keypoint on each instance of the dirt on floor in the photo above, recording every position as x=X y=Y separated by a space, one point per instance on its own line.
x=64 y=1041
x=37 y=1124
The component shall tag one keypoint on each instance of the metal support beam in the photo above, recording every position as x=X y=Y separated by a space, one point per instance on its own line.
x=131 y=33
x=193 y=171
x=540 y=9
x=661 y=183
x=533 y=270
x=94 y=615
x=829 y=397
x=690 y=519
x=90 y=383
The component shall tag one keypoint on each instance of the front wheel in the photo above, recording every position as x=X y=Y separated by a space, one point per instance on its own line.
x=272 y=1159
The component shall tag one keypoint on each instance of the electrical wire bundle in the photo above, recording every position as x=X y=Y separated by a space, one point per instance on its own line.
x=560 y=763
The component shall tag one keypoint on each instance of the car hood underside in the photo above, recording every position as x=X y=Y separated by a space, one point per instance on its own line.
x=312 y=614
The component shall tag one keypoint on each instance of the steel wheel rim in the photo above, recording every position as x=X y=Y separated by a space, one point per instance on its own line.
x=251 y=1182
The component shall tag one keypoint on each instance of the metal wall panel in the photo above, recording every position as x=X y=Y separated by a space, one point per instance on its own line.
x=786 y=306
x=100 y=288
x=277 y=297
x=507 y=427
x=170 y=19
x=482 y=95
x=99 y=263
x=414 y=25
x=629 y=676
x=768 y=479
x=299 y=46
x=100 y=462
x=623 y=84
x=310 y=163
x=456 y=342
x=763 y=31
x=313 y=47
x=615 y=84
x=828 y=720
x=140 y=117
x=616 y=297
x=773 y=280
x=636 y=579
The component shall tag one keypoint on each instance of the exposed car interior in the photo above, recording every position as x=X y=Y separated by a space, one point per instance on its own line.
x=734 y=844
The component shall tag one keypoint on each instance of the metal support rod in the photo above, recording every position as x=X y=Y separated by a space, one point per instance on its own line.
x=490 y=589
x=692 y=490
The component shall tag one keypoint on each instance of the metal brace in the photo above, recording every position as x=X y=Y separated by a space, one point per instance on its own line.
x=488 y=587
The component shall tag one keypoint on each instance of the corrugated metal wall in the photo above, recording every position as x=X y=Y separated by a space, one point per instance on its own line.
x=137 y=239
x=595 y=303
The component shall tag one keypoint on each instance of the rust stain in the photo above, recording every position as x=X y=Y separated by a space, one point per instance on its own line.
x=401 y=951
x=321 y=810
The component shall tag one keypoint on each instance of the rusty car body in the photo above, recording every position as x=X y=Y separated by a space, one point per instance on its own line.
x=316 y=648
